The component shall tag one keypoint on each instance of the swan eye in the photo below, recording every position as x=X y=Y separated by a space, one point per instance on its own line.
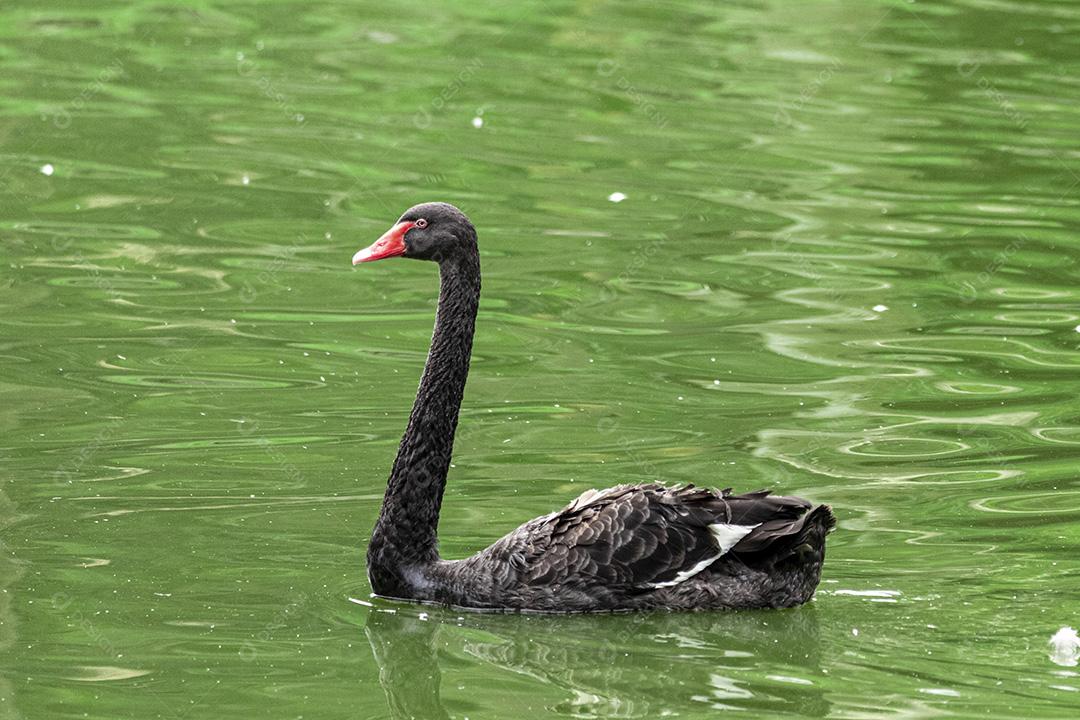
x=421 y=223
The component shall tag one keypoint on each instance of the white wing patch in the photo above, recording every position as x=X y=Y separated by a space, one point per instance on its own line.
x=686 y=574
x=727 y=536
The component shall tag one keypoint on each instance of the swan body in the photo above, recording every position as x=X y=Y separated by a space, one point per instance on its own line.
x=630 y=547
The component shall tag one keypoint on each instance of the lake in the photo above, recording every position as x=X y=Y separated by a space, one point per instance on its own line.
x=826 y=249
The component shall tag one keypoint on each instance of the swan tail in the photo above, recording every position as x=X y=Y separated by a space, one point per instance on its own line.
x=792 y=552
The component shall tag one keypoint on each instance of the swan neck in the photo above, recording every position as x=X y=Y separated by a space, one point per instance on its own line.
x=406 y=532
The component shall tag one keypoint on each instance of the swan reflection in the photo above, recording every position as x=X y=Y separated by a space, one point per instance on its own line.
x=436 y=663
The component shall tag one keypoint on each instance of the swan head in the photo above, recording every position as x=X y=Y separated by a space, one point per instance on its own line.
x=434 y=231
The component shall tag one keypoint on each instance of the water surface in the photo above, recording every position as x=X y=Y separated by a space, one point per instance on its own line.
x=825 y=249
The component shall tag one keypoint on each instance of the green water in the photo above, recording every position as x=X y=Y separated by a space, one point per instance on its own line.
x=845 y=267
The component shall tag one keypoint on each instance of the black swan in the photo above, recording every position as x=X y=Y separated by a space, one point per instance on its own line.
x=630 y=547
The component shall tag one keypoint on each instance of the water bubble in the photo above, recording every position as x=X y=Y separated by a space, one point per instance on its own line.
x=616 y=197
x=1065 y=647
x=47 y=169
x=478 y=122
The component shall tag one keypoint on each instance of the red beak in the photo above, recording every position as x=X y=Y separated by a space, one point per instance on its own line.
x=391 y=244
